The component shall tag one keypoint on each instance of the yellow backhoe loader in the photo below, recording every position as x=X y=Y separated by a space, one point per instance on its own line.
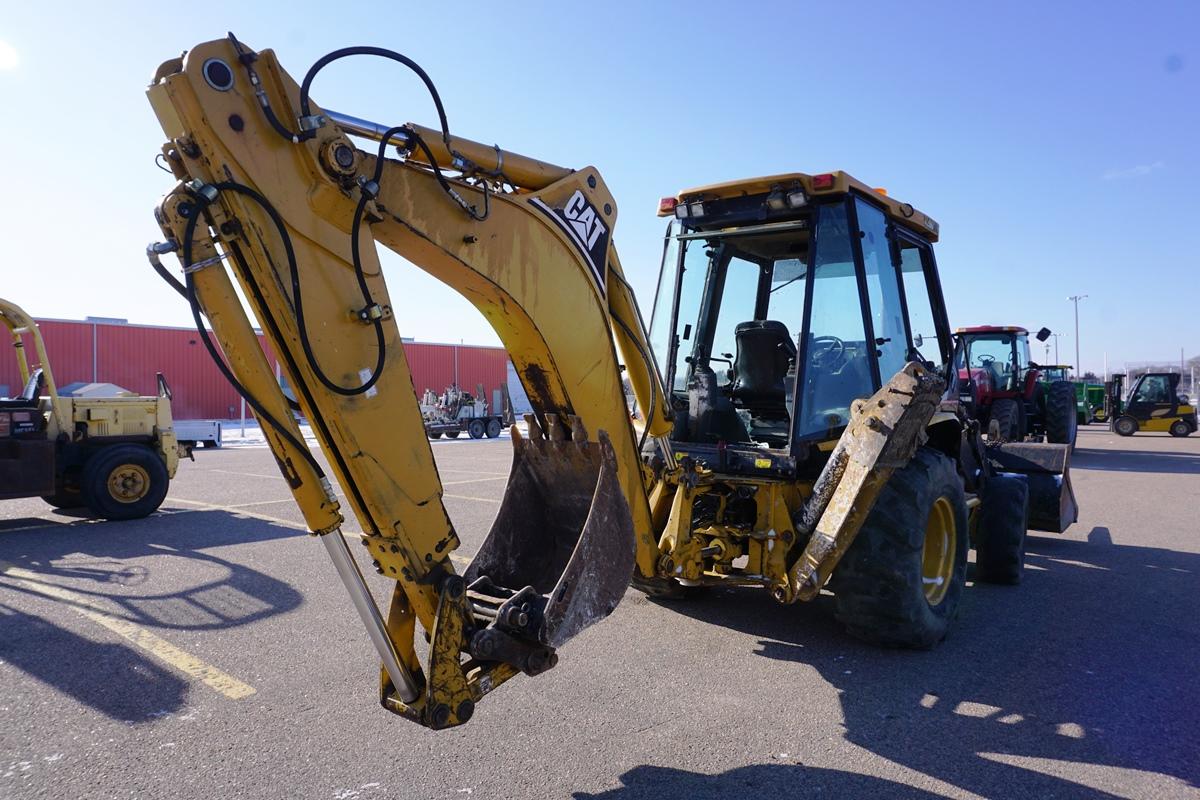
x=115 y=456
x=795 y=430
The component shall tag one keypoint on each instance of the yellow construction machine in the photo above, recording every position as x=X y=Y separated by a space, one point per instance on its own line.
x=113 y=455
x=795 y=430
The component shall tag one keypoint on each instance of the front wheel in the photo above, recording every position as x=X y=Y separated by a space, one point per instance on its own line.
x=1125 y=426
x=1179 y=428
x=900 y=583
x=1005 y=423
x=125 y=481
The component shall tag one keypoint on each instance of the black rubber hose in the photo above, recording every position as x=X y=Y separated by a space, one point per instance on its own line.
x=259 y=410
x=297 y=296
x=325 y=60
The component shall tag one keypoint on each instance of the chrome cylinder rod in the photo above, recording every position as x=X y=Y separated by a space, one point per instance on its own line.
x=357 y=126
x=343 y=561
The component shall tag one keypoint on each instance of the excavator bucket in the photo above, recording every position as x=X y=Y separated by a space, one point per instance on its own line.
x=564 y=532
x=1046 y=468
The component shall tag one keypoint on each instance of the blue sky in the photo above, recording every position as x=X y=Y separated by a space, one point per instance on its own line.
x=1055 y=144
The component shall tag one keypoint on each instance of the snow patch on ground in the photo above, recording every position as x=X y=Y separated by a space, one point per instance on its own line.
x=234 y=436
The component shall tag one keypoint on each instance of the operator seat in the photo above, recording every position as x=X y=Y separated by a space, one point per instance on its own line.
x=30 y=396
x=765 y=353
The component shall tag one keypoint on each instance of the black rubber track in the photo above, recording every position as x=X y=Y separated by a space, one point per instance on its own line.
x=1000 y=530
x=878 y=590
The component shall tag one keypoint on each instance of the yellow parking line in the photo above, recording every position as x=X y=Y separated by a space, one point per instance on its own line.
x=475 y=480
x=469 y=497
x=156 y=646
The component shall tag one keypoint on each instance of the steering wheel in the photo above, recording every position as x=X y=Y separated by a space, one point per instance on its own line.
x=985 y=360
x=834 y=349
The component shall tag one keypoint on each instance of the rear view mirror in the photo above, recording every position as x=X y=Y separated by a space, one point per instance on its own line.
x=1043 y=334
x=918 y=340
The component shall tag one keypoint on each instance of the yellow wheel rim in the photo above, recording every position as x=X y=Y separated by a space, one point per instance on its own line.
x=128 y=483
x=937 y=555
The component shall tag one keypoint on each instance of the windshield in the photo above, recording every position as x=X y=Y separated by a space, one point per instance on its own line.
x=997 y=355
x=1054 y=374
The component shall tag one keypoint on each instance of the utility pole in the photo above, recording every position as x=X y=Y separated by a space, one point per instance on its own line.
x=1075 y=299
x=1057 y=360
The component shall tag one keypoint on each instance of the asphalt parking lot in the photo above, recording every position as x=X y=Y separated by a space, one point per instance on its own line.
x=210 y=652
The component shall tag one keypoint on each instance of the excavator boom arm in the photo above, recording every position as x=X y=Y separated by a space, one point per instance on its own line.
x=294 y=217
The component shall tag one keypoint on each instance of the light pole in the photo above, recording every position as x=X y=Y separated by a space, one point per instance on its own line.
x=1056 y=358
x=1075 y=299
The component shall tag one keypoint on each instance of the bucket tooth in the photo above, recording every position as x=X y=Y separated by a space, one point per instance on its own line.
x=535 y=429
x=578 y=431
x=554 y=428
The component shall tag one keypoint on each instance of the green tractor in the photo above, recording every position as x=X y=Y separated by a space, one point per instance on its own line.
x=1089 y=397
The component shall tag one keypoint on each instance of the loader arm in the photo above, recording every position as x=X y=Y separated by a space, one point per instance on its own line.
x=295 y=217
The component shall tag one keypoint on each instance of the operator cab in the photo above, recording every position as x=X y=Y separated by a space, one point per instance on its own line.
x=994 y=357
x=782 y=300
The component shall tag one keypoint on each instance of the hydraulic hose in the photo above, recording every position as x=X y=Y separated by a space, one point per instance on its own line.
x=260 y=411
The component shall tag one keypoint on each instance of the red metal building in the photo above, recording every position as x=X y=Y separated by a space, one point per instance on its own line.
x=111 y=351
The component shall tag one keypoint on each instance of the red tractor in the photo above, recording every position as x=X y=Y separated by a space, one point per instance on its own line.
x=1000 y=386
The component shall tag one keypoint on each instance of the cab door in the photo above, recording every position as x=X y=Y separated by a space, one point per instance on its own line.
x=1153 y=403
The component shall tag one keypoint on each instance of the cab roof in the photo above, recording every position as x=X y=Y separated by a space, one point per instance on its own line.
x=992 y=329
x=821 y=184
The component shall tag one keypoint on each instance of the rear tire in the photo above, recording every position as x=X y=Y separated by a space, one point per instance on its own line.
x=493 y=428
x=1006 y=420
x=125 y=481
x=476 y=429
x=1000 y=531
x=1179 y=428
x=900 y=583
x=1062 y=413
x=1125 y=426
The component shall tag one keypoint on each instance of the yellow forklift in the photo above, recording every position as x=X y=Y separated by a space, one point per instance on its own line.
x=1153 y=404
x=113 y=455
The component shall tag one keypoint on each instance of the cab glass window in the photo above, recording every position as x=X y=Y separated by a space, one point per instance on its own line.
x=664 y=300
x=1153 y=389
x=883 y=291
x=921 y=319
x=697 y=258
x=837 y=367
x=738 y=301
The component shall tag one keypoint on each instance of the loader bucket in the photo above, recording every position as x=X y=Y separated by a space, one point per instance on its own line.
x=564 y=529
x=1046 y=468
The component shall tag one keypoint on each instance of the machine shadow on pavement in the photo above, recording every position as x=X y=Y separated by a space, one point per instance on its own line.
x=120 y=570
x=115 y=679
x=1165 y=462
x=765 y=780
x=1083 y=663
